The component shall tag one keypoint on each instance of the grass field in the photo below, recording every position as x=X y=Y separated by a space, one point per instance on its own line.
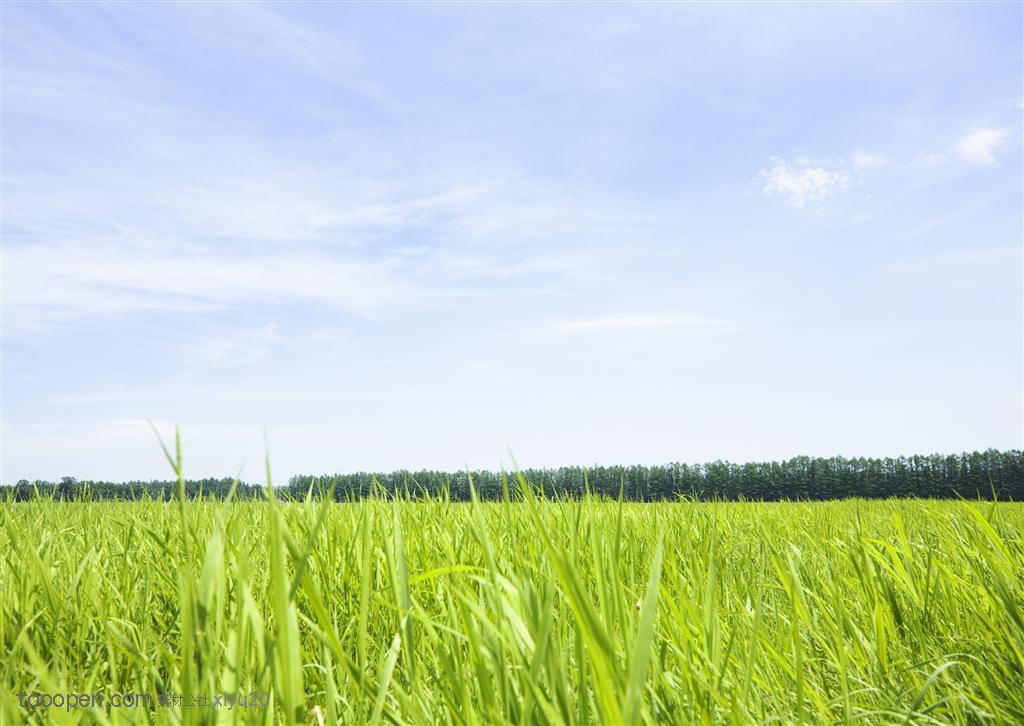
x=525 y=612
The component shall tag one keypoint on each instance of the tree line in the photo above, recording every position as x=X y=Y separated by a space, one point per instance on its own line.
x=70 y=488
x=970 y=475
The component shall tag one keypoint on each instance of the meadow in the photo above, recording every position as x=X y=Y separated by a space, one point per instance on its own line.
x=531 y=610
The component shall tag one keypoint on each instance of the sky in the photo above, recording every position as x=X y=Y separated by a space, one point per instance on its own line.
x=383 y=236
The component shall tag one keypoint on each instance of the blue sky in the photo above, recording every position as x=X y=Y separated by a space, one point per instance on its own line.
x=422 y=235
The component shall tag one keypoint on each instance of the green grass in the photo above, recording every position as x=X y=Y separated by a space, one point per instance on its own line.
x=525 y=612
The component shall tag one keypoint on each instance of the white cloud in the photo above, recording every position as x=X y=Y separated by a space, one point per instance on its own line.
x=230 y=346
x=207 y=251
x=867 y=159
x=803 y=182
x=980 y=147
x=47 y=427
x=930 y=224
x=46 y=284
x=626 y=322
x=143 y=430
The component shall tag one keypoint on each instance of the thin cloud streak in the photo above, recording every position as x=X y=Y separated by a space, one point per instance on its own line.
x=638 y=322
x=49 y=285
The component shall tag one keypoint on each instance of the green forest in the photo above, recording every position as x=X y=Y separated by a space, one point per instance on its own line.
x=985 y=474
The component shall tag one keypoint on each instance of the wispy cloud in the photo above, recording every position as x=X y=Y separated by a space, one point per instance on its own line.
x=198 y=253
x=634 y=322
x=868 y=159
x=981 y=147
x=47 y=427
x=803 y=182
x=231 y=347
x=54 y=284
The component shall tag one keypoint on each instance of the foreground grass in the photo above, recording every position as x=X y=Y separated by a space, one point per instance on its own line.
x=524 y=612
